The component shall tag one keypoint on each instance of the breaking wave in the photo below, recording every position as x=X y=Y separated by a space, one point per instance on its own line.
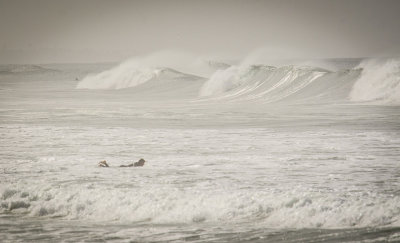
x=122 y=77
x=372 y=81
x=166 y=65
x=379 y=81
x=257 y=81
x=171 y=205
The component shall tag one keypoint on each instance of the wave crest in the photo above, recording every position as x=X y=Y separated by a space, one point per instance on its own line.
x=260 y=82
x=140 y=70
x=379 y=81
x=118 y=78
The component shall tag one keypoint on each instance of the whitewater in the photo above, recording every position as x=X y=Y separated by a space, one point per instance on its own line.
x=244 y=151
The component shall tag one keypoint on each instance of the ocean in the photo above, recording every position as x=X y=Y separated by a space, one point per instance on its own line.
x=234 y=153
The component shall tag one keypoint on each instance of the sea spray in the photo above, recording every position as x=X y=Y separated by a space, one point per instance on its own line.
x=141 y=69
x=379 y=81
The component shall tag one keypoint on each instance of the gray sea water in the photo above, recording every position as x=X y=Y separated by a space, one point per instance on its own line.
x=265 y=160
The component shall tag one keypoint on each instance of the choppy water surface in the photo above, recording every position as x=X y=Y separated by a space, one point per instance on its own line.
x=226 y=168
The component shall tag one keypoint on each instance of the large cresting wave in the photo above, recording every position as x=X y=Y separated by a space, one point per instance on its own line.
x=259 y=82
x=374 y=81
x=379 y=81
x=162 y=66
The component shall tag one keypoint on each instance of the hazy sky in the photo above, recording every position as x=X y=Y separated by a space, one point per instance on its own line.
x=46 y=31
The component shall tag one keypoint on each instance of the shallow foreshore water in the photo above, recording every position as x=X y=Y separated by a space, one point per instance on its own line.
x=17 y=229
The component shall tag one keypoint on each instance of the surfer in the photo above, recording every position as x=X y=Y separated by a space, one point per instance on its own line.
x=136 y=164
x=140 y=163
x=103 y=163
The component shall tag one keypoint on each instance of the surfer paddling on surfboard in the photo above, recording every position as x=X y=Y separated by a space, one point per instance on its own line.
x=136 y=164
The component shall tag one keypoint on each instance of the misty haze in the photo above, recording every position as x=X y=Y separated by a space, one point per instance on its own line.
x=203 y=121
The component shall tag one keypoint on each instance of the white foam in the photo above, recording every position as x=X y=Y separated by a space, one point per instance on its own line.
x=379 y=82
x=222 y=81
x=167 y=204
